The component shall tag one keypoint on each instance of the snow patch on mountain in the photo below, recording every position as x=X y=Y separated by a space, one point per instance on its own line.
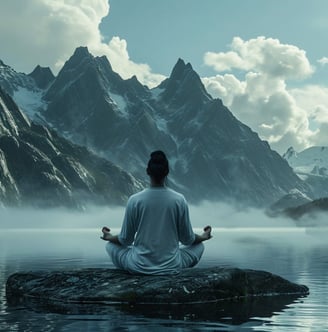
x=121 y=104
x=313 y=160
x=30 y=102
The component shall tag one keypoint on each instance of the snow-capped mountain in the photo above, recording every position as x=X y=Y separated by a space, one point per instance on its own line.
x=27 y=90
x=40 y=168
x=311 y=165
x=313 y=160
x=212 y=155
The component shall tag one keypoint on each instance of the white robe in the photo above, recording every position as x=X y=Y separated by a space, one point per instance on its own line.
x=156 y=221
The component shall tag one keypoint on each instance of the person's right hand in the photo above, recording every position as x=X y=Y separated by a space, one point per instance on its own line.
x=106 y=234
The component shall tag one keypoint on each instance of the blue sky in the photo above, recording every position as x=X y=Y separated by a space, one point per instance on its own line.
x=267 y=60
x=158 y=32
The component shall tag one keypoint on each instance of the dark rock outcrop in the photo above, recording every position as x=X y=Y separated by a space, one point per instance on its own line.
x=42 y=76
x=92 y=290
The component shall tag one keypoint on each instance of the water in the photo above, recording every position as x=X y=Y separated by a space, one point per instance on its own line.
x=297 y=254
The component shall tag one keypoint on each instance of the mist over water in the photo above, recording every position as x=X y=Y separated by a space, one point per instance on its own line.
x=92 y=217
x=66 y=232
x=218 y=215
x=215 y=214
x=61 y=239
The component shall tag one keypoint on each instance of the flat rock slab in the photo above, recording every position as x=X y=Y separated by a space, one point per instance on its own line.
x=111 y=286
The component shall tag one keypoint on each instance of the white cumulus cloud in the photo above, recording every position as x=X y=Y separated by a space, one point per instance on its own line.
x=261 y=97
x=266 y=55
x=323 y=61
x=117 y=53
x=46 y=32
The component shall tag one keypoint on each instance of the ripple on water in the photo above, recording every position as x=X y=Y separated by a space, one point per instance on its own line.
x=297 y=256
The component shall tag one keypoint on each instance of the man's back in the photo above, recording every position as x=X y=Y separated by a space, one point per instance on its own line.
x=156 y=219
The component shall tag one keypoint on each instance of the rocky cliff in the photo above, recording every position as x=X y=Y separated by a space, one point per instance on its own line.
x=40 y=168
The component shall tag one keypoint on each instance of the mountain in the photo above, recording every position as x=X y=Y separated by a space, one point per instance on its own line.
x=26 y=90
x=40 y=168
x=293 y=199
x=42 y=76
x=311 y=209
x=311 y=165
x=213 y=156
x=313 y=160
x=11 y=81
x=95 y=107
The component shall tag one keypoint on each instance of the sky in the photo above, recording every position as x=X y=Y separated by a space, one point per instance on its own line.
x=267 y=60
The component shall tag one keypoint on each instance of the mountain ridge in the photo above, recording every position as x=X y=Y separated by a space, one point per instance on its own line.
x=311 y=165
x=213 y=156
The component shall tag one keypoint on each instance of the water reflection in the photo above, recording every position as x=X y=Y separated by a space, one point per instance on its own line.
x=295 y=254
x=235 y=311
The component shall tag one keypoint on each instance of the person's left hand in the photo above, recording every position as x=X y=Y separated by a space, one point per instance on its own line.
x=106 y=234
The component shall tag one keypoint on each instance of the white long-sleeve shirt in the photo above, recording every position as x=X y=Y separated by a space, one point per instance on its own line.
x=156 y=220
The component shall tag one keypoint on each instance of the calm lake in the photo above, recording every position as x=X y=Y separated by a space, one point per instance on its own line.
x=298 y=254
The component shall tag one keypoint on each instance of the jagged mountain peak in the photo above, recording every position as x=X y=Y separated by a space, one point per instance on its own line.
x=81 y=52
x=80 y=57
x=12 y=82
x=82 y=60
x=180 y=70
x=94 y=74
x=289 y=153
x=214 y=156
x=77 y=65
x=42 y=76
x=184 y=85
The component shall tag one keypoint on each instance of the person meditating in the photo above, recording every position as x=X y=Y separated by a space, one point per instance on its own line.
x=156 y=221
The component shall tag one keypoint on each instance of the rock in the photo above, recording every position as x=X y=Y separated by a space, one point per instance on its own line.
x=92 y=290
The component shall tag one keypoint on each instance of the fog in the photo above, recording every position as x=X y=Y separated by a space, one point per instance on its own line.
x=218 y=215
x=33 y=240
x=57 y=237
x=92 y=217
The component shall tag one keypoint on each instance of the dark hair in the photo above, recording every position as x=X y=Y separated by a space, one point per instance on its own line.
x=158 y=166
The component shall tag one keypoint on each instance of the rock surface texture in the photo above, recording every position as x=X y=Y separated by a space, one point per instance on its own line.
x=64 y=289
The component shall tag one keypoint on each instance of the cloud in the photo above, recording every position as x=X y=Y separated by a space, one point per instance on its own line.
x=265 y=55
x=46 y=32
x=117 y=53
x=323 y=61
x=314 y=98
x=262 y=99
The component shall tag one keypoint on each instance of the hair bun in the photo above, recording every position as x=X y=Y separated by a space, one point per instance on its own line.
x=158 y=156
x=158 y=166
